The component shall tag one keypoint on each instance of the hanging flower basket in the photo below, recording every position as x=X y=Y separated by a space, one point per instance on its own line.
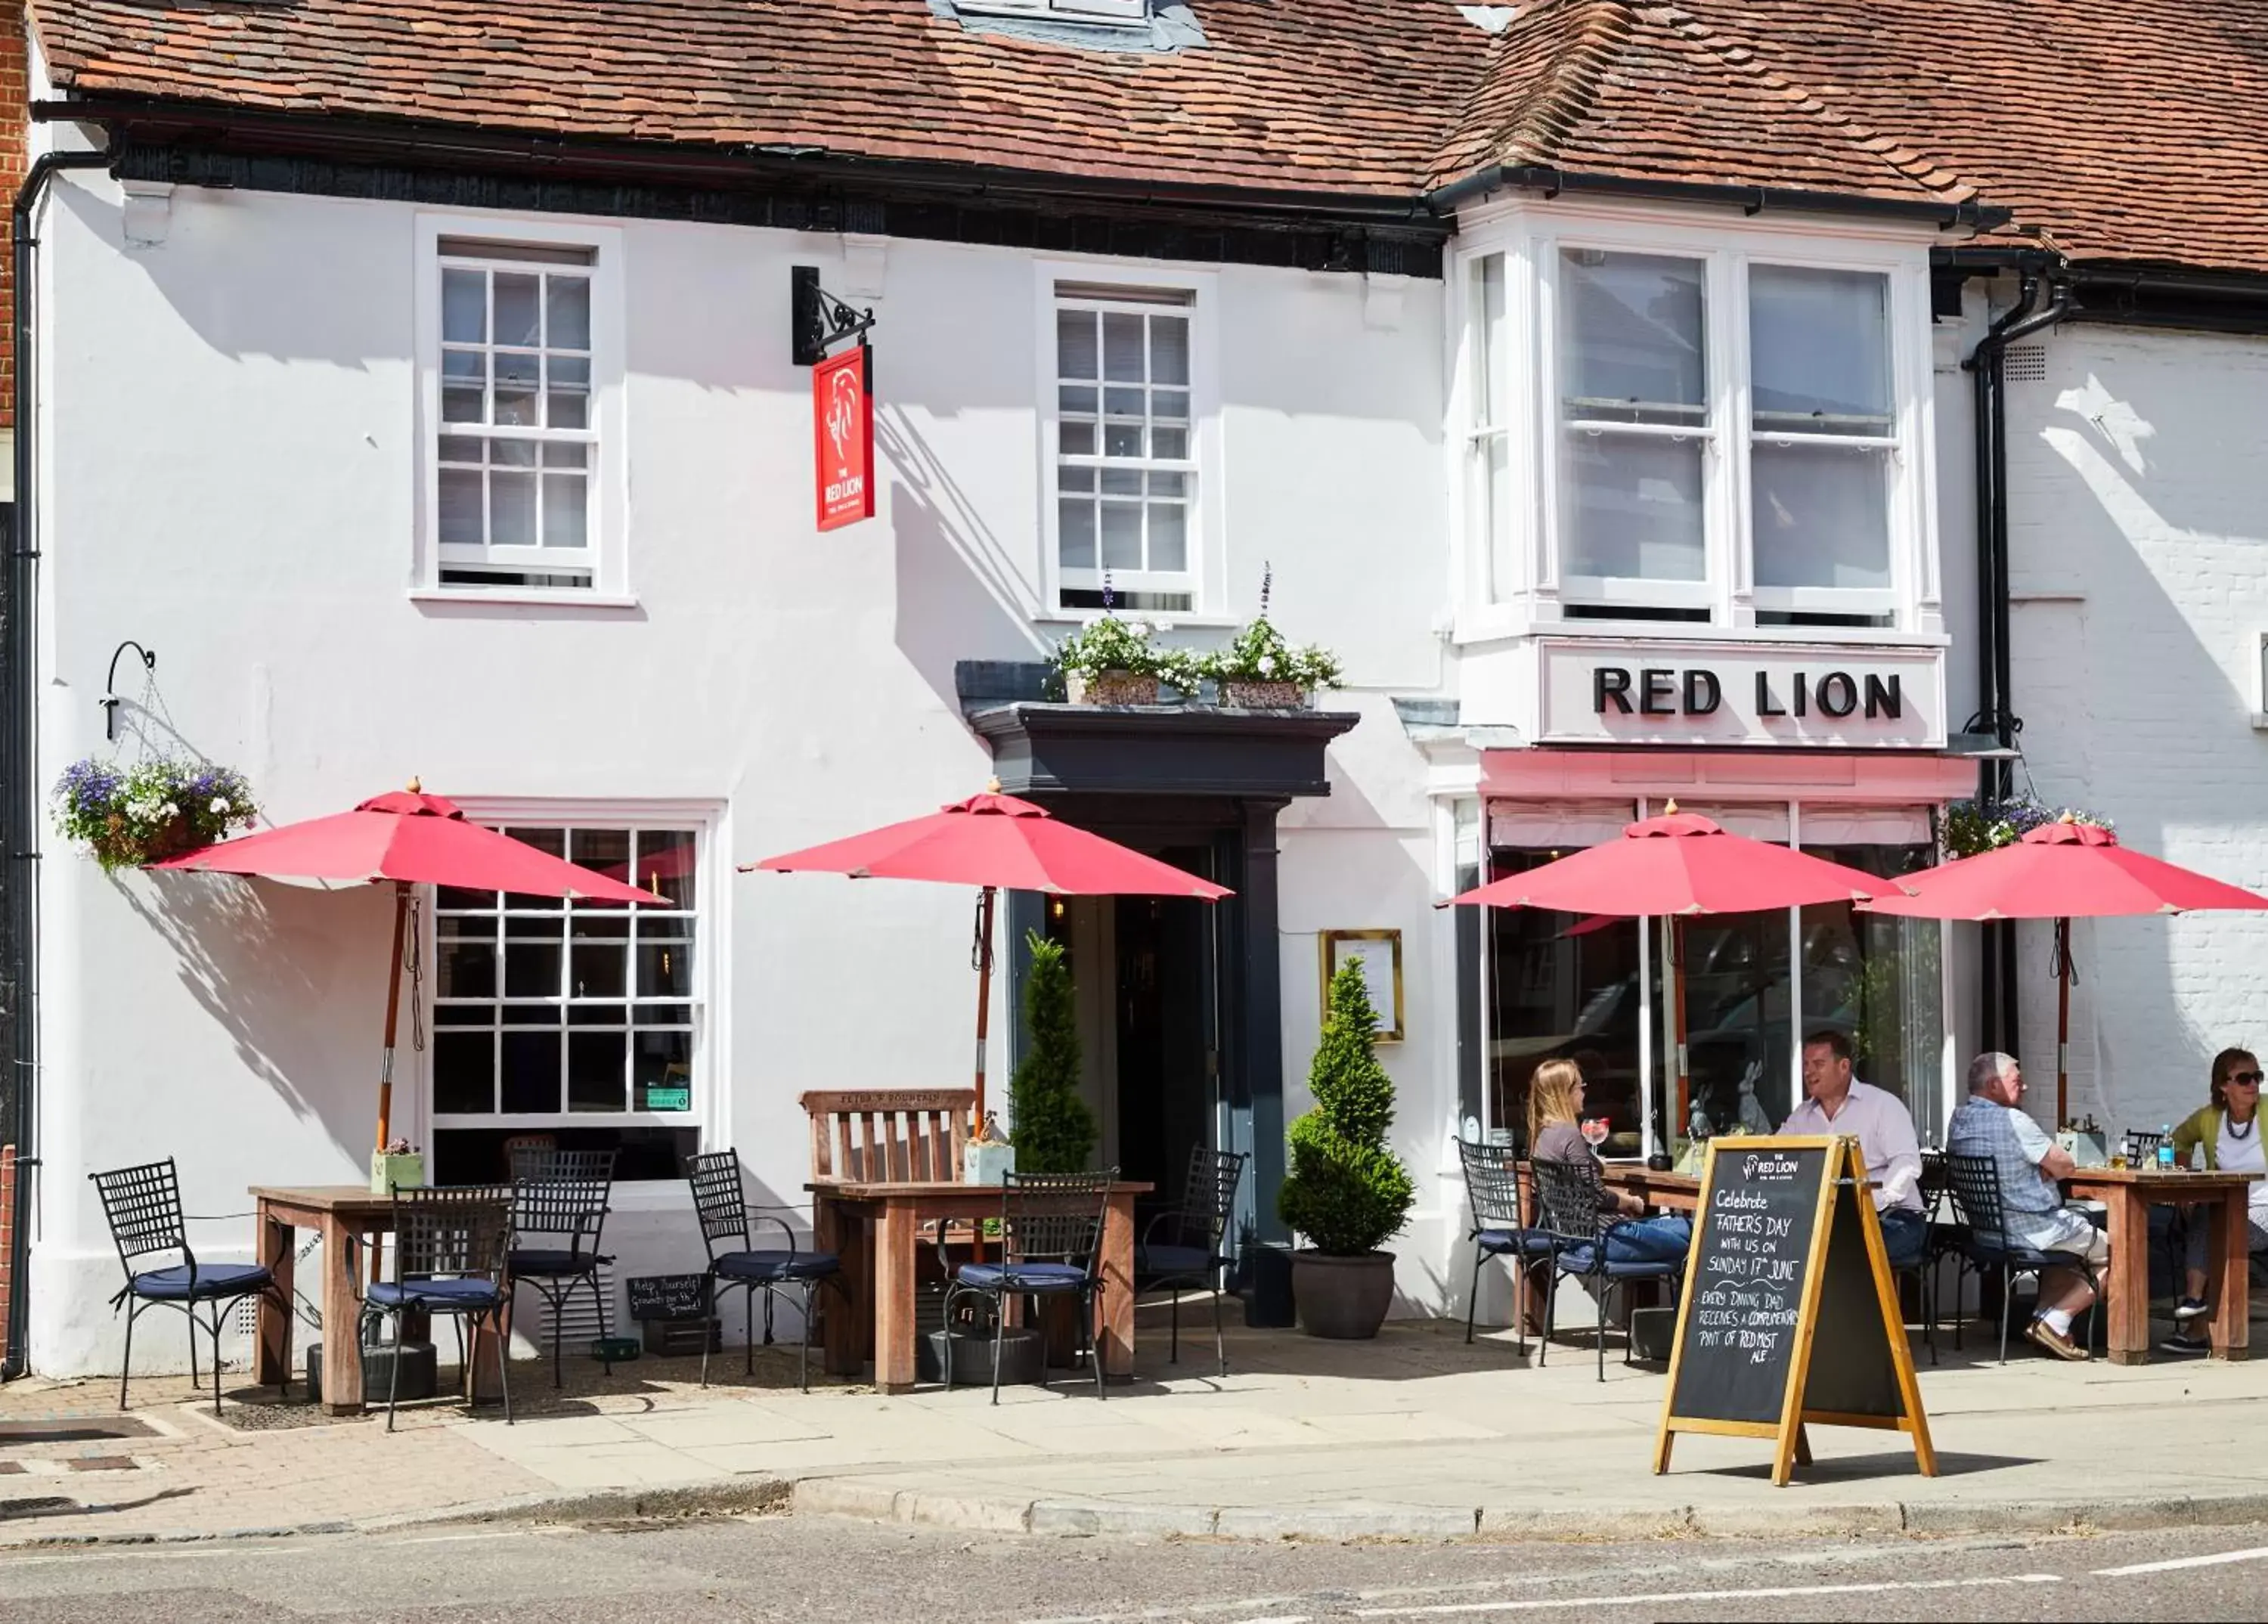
x=1972 y=828
x=131 y=816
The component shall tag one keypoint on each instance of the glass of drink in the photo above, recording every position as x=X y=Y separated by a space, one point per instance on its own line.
x=1595 y=1129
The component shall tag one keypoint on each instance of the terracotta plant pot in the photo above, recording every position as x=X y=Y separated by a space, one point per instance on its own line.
x=1110 y=688
x=1343 y=1298
x=1245 y=695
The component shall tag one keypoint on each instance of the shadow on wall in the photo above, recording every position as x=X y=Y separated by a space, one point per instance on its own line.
x=961 y=594
x=247 y=950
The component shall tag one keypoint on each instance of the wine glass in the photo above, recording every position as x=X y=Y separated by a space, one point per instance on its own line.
x=1595 y=1130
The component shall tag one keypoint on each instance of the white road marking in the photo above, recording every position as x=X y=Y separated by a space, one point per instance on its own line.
x=1658 y=1598
x=1283 y=1618
x=2218 y=1559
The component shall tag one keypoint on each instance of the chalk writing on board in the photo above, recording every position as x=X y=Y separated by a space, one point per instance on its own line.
x=1746 y=1301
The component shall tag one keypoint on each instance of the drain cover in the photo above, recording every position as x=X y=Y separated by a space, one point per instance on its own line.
x=75 y=1429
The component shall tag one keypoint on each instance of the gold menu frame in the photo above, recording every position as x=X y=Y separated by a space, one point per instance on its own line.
x=1390 y=1028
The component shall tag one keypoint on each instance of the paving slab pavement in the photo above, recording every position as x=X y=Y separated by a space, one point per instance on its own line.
x=1415 y=1436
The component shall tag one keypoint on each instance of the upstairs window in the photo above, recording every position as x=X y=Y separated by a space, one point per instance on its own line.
x=1124 y=13
x=1125 y=464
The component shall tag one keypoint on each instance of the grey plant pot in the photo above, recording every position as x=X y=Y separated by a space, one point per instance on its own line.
x=1343 y=1298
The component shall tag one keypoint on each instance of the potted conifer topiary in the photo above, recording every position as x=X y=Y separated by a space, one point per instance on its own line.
x=1346 y=1192
x=1053 y=1130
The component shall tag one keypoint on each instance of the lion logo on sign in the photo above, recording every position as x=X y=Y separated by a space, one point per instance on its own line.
x=842 y=410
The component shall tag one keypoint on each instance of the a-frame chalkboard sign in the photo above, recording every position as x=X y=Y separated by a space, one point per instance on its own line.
x=1789 y=1315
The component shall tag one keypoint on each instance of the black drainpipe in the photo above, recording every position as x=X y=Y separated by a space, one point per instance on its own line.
x=19 y=796
x=1996 y=709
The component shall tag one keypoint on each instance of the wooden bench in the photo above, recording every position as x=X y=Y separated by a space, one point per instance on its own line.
x=889 y=1135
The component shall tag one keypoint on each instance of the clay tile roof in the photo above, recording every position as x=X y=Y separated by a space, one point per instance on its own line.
x=2114 y=130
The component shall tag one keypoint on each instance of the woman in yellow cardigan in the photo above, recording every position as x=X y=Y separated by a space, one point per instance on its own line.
x=2229 y=1130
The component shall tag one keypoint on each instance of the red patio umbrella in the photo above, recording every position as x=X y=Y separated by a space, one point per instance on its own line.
x=410 y=838
x=2060 y=871
x=1678 y=864
x=996 y=842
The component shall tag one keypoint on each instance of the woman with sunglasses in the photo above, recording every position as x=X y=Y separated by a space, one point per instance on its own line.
x=2229 y=1130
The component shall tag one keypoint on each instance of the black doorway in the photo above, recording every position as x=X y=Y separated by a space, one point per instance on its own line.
x=1166 y=1044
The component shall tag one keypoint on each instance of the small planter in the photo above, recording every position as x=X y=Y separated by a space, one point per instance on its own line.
x=1342 y=1298
x=387 y=1171
x=1243 y=694
x=1110 y=688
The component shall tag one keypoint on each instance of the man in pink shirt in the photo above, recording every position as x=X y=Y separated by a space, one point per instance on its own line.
x=1836 y=1102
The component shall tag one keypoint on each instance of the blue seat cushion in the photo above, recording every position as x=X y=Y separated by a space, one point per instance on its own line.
x=775 y=1266
x=1494 y=1242
x=1022 y=1276
x=544 y=1260
x=1579 y=1260
x=214 y=1280
x=1194 y=1260
x=449 y=1296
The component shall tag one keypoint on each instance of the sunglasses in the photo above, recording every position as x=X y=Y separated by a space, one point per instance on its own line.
x=2249 y=1080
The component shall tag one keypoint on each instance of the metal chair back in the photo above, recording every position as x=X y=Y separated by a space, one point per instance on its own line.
x=1208 y=1197
x=2145 y=1144
x=143 y=1206
x=1973 y=1183
x=460 y=1232
x=1492 y=1185
x=563 y=1193
x=1054 y=1217
x=1568 y=1200
x=718 y=1203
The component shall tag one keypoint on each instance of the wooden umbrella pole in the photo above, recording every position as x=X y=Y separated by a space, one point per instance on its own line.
x=1677 y=1004
x=393 y=1014
x=984 y=899
x=2063 y=1022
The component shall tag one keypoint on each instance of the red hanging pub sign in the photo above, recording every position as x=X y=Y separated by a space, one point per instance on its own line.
x=842 y=427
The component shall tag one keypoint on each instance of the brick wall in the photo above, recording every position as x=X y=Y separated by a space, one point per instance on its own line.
x=7 y=1239
x=15 y=128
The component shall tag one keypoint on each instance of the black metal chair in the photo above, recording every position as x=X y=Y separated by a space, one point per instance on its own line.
x=560 y=1196
x=143 y=1206
x=1973 y=1183
x=1050 y=1246
x=1576 y=1223
x=726 y=1216
x=2145 y=1142
x=1500 y=1229
x=451 y=1247
x=1194 y=1256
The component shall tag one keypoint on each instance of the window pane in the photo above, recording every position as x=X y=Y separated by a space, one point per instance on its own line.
x=565 y=497
x=1170 y=349
x=598 y=969
x=1169 y=535
x=1631 y=346
x=1170 y=405
x=1630 y=507
x=1075 y=399
x=511 y=510
x=1075 y=479
x=1075 y=347
x=516 y=378
x=531 y=969
x=461 y=405
x=598 y=1073
x=665 y=860
x=1121 y=535
x=570 y=313
x=1495 y=482
x=464 y=449
x=462 y=496
x=519 y=318
x=663 y=1060
x=464 y=1071
x=1739 y=1014
x=512 y=453
x=1819 y=350
x=1122 y=349
x=1077 y=440
x=605 y=850
x=1880 y=979
x=531 y=1072
x=570 y=401
x=465 y=970
x=1170 y=444
x=1121 y=440
x=664 y=969
x=465 y=307
x=1821 y=516
x=1075 y=533
x=1488 y=337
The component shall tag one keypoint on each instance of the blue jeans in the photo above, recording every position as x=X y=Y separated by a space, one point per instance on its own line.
x=1906 y=1235
x=1649 y=1240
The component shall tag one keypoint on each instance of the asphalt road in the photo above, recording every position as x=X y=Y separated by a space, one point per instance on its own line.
x=818 y=1571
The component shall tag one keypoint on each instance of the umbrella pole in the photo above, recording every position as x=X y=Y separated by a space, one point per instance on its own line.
x=393 y=1014
x=984 y=991
x=2063 y=1021
x=1677 y=1005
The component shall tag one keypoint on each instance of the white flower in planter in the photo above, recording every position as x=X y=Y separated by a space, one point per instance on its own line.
x=219 y=805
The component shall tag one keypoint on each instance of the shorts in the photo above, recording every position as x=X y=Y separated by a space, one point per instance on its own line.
x=2064 y=1231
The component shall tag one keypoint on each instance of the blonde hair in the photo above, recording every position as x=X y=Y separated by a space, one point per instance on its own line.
x=1551 y=1094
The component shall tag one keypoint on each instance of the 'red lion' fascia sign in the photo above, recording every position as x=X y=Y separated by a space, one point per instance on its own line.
x=843 y=424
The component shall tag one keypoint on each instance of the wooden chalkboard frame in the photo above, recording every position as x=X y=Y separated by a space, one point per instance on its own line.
x=1843 y=1176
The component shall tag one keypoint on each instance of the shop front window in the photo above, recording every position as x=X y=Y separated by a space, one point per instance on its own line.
x=1880 y=981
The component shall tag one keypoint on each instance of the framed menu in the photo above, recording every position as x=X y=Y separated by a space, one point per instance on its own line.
x=1378 y=952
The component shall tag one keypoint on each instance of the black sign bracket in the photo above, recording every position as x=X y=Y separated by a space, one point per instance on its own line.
x=819 y=321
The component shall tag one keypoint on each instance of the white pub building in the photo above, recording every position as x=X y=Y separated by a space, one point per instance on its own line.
x=1607 y=385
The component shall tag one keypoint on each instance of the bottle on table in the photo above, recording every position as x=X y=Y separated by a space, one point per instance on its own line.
x=2166 y=1148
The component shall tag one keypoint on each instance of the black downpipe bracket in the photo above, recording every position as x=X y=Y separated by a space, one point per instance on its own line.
x=19 y=796
x=1996 y=708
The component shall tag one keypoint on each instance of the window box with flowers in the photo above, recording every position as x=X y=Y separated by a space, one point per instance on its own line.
x=1260 y=670
x=1113 y=661
x=126 y=816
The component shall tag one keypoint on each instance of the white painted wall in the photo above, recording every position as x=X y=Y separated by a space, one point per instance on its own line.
x=229 y=470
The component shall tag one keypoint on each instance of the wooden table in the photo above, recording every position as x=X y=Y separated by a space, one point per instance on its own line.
x=1676 y=1192
x=2130 y=1193
x=338 y=1212
x=873 y=1226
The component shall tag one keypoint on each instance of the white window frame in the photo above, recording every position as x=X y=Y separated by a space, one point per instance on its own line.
x=607 y=505
x=1112 y=13
x=1531 y=236
x=1206 y=579
x=711 y=969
